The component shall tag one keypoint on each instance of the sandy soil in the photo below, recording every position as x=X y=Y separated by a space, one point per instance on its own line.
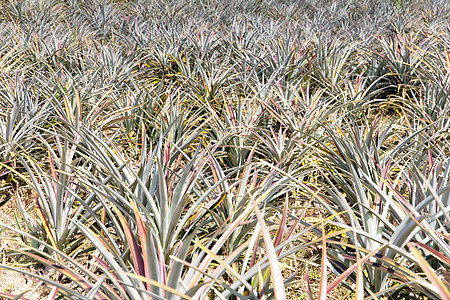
x=12 y=282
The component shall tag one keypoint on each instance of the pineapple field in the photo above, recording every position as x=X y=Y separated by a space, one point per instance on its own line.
x=225 y=149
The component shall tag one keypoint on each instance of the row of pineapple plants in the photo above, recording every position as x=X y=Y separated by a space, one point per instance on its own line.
x=186 y=150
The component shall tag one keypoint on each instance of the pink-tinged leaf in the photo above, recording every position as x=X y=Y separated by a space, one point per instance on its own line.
x=162 y=264
x=47 y=229
x=277 y=278
x=143 y=237
x=381 y=185
x=3 y=262
x=167 y=152
x=255 y=254
x=433 y=252
x=430 y=160
x=53 y=293
x=323 y=279
x=441 y=289
x=60 y=268
x=280 y=231
x=132 y=243
x=299 y=219
x=308 y=285
x=52 y=166
x=105 y=266
x=350 y=270
x=77 y=97
x=11 y=296
x=143 y=144
x=261 y=282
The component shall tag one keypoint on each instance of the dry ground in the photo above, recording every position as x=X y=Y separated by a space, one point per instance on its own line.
x=12 y=282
